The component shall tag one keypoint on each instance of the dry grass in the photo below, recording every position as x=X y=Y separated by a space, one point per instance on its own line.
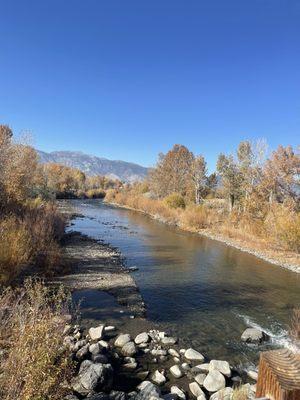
x=30 y=238
x=34 y=363
x=240 y=393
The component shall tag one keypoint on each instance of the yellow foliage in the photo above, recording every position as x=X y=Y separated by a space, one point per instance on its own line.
x=175 y=200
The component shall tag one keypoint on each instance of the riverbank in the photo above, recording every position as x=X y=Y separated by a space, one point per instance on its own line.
x=284 y=259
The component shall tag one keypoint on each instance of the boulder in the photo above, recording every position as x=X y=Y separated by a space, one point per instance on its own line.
x=175 y=371
x=96 y=333
x=129 y=349
x=142 y=338
x=253 y=335
x=168 y=341
x=221 y=366
x=252 y=375
x=158 y=377
x=224 y=394
x=92 y=377
x=199 y=378
x=196 y=391
x=214 y=381
x=173 y=353
x=193 y=355
x=178 y=392
x=147 y=390
x=122 y=340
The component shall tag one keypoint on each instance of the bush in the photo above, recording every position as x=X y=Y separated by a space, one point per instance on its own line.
x=284 y=226
x=34 y=364
x=196 y=217
x=175 y=200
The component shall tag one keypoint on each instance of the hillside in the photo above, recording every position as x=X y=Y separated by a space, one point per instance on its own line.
x=92 y=165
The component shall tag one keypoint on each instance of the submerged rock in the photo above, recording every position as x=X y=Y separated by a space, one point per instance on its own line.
x=253 y=335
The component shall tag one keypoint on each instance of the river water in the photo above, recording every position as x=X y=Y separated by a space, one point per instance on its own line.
x=198 y=289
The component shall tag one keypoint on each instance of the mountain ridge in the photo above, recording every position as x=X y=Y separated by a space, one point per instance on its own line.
x=93 y=165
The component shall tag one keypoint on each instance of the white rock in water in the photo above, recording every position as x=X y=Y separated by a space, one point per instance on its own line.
x=168 y=341
x=214 y=381
x=178 y=392
x=96 y=333
x=175 y=371
x=196 y=390
x=109 y=328
x=221 y=366
x=173 y=353
x=142 y=338
x=200 y=379
x=128 y=349
x=193 y=355
x=252 y=375
x=224 y=394
x=158 y=378
x=253 y=335
x=122 y=340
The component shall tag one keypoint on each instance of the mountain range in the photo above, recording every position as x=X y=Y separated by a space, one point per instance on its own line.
x=92 y=165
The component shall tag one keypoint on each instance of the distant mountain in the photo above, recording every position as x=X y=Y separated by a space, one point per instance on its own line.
x=92 y=165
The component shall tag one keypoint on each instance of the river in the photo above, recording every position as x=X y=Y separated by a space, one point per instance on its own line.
x=198 y=289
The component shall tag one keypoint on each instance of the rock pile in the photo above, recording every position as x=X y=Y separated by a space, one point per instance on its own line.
x=149 y=366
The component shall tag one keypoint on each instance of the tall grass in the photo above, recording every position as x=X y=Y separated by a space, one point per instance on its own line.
x=34 y=364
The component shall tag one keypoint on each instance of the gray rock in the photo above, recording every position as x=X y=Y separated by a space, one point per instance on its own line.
x=193 y=355
x=122 y=340
x=142 y=338
x=142 y=375
x=147 y=390
x=224 y=394
x=158 y=378
x=96 y=333
x=131 y=366
x=252 y=375
x=196 y=390
x=78 y=345
x=175 y=371
x=129 y=349
x=81 y=353
x=214 y=381
x=71 y=397
x=99 y=358
x=199 y=378
x=221 y=366
x=98 y=396
x=116 y=395
x=94 y=348
x=178 y=392
x=173 y=353
x=92 y=377
x=169 y=341
x=252 y=335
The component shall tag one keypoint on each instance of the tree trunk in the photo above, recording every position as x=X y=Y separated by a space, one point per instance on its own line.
x=231 y=202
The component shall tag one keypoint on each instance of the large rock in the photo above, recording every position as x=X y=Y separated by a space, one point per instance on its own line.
x=196 y=391
x=158 y=377
x=253 y=335
x=96 y=333
x=122 y=340
x=93 y=377
x=175 y=390
x=221 y=366
x=128 y=349
x=142 y=338
x=214 y=381
x=193 y=355
x=199 y=378
x=224 y=394
x=175 y=371
x=147 y=390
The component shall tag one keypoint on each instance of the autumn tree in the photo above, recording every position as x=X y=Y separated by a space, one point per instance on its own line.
x=172 y=173
x=199 y=178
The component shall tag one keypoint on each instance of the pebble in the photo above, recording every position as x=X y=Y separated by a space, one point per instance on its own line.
x=173 y=353
x=180 y=393
x=158 y=377
x=193 y=355
x=175 y=371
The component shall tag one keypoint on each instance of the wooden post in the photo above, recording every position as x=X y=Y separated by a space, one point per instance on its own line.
x=279 y=375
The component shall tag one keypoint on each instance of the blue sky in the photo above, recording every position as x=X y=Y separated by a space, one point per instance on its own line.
x=128 y=79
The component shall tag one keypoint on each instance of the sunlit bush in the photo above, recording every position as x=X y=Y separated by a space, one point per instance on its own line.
x=175 y=200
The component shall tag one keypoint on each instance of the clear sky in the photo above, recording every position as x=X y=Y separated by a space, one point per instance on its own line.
x=126 y=79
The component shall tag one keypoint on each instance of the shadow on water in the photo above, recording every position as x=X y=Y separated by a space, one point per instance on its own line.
x=199 y=289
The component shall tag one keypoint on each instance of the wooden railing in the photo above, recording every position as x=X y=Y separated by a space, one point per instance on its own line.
x=279 y=375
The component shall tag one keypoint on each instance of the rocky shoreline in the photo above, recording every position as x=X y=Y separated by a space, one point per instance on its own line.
x=112 y=365
x=280 y=261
